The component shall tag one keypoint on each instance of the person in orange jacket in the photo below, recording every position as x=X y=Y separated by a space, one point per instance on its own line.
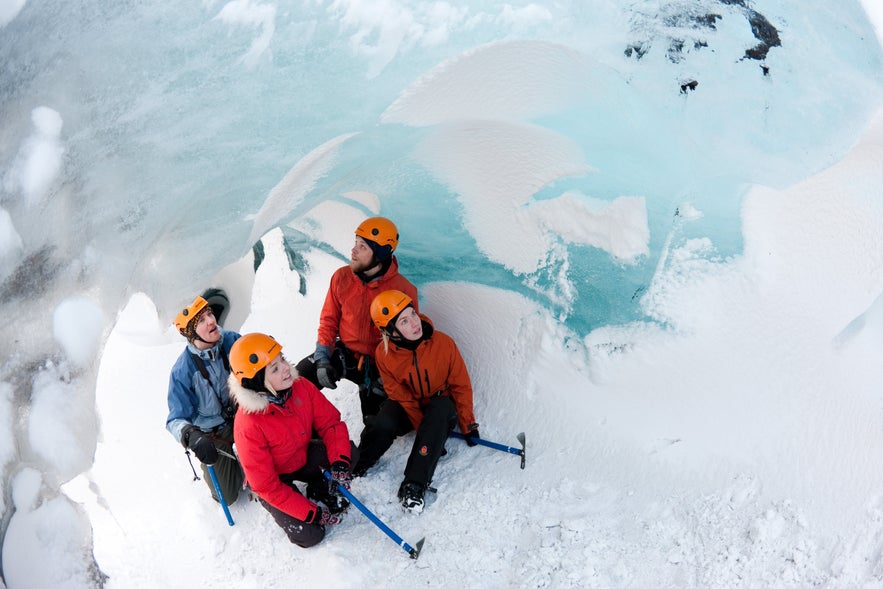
x=428 y=390
x=346 y=337
x=278 y=413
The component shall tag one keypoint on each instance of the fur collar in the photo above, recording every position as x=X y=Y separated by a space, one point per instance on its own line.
x=249 y=400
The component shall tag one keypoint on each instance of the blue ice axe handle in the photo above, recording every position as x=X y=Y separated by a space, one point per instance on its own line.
x=413 y=552
x=517 y=451
x=211 y=472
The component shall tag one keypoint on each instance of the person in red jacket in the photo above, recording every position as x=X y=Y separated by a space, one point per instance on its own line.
x=278 y=413
x=346 y=337
x=429 y=391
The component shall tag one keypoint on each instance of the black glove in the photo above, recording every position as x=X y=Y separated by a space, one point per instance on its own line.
x=326 y=375
x=324 y=518
x=229 y=412
x=472 y=435
x=194 y=438
x=340 y=473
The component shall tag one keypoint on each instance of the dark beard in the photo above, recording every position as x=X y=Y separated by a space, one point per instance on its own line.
x=357 y=267
x=381 y=267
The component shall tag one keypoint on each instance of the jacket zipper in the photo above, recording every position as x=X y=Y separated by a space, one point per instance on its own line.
x=420 y=389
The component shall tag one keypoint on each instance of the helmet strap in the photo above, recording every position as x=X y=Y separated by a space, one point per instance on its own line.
x=370 y=275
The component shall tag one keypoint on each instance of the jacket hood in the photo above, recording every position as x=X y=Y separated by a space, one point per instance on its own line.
x=251 y=401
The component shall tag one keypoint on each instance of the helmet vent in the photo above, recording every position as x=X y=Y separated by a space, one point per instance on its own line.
x=253 y=358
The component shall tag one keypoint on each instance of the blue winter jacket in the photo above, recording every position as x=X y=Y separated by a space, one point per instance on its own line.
x=192 y=398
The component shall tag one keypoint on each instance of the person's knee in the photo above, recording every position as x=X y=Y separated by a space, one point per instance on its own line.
x=440 y=412
x=305 y=535
x=384 y=424
x=231 y=495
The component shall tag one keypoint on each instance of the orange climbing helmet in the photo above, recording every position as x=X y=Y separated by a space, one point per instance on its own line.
x=381 y=234
x=387 y=305
x=188 y=314
x=251 y=353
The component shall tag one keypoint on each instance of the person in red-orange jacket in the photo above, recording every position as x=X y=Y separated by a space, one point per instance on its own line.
x=429 y=391
x=347 y=338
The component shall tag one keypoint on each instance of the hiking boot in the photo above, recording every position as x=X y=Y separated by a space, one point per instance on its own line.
x=411 y=496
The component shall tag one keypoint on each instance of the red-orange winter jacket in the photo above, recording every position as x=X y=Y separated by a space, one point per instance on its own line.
x=413 y=377
x=272 y=440
x=346 y=312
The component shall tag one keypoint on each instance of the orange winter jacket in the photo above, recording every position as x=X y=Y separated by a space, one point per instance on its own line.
x=435 y=367
x=346 y=312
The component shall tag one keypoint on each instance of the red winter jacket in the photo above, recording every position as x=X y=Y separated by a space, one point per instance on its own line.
x=413 y=377
x=272 y=440
x=346 y=312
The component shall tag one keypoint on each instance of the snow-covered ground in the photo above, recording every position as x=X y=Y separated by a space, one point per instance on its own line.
x=739 y=448
x=735 y=441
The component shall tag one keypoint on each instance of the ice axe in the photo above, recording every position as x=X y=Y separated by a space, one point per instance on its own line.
x=502 y=447
x=413 y=552
x=211 y=472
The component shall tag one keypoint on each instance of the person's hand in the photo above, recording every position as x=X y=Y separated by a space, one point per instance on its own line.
x=229 y=412
x=472 y=435
x=340 y=473
x=195 y=439
x=323 y=518
x=326 y=375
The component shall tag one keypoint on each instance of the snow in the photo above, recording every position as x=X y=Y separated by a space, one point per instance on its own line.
x=62 y=429
x=10 y=244
x=9 y=9
x=39 y=533
x=292 y=188
x=251 y=14
x=874 y=10
x=635 y=476
x=40 y=157
x=516 y=80
x=733 y=439
x=78 y=325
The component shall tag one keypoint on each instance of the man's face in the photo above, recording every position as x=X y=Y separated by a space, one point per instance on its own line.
x=207 y=329
x=361 y=256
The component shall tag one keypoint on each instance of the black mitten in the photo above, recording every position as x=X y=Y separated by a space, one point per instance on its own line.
x=472 y=435
x=197 y=440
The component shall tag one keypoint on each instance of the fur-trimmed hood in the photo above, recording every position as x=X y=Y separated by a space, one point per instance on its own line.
x=251 y=401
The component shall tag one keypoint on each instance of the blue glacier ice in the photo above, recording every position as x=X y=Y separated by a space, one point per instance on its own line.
x=147 y=147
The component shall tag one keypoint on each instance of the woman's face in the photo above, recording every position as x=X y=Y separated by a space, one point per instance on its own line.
x=409 y=325
x=279 y=373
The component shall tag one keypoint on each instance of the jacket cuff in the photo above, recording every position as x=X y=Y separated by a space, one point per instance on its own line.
x=322 y=353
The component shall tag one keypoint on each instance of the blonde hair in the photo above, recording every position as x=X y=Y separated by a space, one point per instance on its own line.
x=294 y=373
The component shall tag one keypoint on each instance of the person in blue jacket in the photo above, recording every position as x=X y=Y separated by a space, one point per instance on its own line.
x=200 y=409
